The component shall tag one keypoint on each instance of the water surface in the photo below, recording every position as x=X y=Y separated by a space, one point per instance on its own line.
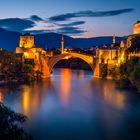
x=74 y=105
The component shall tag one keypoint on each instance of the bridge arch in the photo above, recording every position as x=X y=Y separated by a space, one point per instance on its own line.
x=55 y=59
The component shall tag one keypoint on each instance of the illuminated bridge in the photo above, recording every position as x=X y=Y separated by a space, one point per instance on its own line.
x=90 y=60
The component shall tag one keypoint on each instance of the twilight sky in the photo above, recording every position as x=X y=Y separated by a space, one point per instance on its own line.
x=77 y=18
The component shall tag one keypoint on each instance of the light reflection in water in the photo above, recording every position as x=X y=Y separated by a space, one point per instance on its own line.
x=33 y=96
x=65 y=85
x=113 y=96
x=107 y=90
x=26 y=102
x=81 y=74
x=72 y=106
x=1 y=96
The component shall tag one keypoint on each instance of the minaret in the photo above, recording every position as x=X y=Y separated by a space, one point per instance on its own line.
x=62 y=45
x=114 y=39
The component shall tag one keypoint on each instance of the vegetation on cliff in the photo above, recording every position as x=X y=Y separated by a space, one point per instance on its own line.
x=130 y=73
x=103 y=70
x=130 y=70
x=135 y=45
x=13 y=69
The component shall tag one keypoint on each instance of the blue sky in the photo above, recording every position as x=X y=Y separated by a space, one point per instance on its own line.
x=77 y=18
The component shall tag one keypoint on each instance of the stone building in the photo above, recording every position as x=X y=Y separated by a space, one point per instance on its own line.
x=111 y=56
x=136 y=28
x=32 y=54
x=136 y=32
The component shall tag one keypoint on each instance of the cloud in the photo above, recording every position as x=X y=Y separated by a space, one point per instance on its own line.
x=37 y=31
x=76 y=23
x=36 y=18
x=70 y=30
x=16 y=24
x=67 y=16
x=31 y=25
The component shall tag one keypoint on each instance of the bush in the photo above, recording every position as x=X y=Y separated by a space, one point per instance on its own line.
x=135 y=76
x=130 y=71
x=28 y=72
x=103 y=70
x=9 y=125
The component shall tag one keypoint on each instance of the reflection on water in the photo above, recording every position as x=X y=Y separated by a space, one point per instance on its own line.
x=74 y=105
x=33 y=95
x=115 y=97
x=25 y=101
x=65 y=85
x=108 y=91
x=1 y=96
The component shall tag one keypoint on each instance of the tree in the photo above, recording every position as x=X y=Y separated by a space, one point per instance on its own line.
x=135 y=44
x=9 y=125
x=135 y=76
x=28 y=72
x=103 y=70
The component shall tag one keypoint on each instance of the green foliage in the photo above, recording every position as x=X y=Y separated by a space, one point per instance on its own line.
x=38 y=75
x=28 y=72
x=131 y=63
x=12 y=68
x=10 y=65
x=130 y=71
x=135 y=76
x=103 y=70
x=9 y=125
x=135 y=44
x=114 y=72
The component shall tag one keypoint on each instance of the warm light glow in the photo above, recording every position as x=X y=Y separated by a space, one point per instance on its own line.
x=121 y=58
x=30 y=100
x=66 y=57
x=26 y=41
x=116 y=98
x=65 y=85
x=26 y=55
x=1 y=96
x=26 y=98
x=136 y=29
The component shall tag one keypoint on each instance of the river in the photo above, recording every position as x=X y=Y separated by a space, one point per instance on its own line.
x=74 y=105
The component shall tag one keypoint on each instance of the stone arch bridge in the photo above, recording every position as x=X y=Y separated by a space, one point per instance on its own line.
x=92 y=61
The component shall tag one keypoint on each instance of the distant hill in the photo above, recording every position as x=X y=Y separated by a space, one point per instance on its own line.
x=10 y=40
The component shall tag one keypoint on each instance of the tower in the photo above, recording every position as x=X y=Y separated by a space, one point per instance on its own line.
x=136 y=28
x=62 y=45
x=26 y=41
x=114 y=39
